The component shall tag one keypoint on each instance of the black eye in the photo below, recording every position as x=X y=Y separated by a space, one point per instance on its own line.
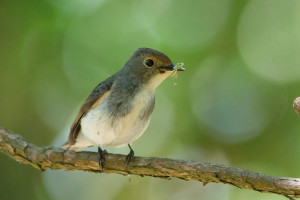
x=149 y=62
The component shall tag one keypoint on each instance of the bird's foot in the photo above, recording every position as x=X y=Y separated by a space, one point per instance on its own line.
x=101 y=158
x=129 y=157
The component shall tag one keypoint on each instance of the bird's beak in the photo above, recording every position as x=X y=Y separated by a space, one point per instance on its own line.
x=172 y=68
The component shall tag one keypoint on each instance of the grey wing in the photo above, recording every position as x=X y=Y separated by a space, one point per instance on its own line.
x=92 y=100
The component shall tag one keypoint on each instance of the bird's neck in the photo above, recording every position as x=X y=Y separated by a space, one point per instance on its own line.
x=130 y=80
x=155 y=81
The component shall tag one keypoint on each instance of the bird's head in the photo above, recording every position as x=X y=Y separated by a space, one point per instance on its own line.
x=150 y=66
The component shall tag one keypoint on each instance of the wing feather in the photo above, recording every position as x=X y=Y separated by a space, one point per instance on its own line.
x=93 y=99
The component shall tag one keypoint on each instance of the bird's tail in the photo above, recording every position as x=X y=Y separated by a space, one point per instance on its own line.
x=67 y=146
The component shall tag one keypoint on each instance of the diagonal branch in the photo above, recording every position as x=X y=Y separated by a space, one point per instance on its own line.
x=44 y=158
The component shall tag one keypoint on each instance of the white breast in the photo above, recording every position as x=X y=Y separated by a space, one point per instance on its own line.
x=97 y=127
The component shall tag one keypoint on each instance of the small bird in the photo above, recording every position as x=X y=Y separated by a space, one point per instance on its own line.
x=118 y=110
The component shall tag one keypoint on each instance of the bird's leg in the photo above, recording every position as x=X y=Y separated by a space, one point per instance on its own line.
x=130 y=156
x=101 y=158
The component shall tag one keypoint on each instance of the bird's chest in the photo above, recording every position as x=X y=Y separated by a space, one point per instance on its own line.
x=118 y=120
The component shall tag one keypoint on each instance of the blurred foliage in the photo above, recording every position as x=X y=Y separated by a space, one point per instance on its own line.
x=233 y=105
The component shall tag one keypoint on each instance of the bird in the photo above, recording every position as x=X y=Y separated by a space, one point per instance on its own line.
x=118 y=110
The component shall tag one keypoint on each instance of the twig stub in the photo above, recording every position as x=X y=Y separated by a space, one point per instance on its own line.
x=297 y=105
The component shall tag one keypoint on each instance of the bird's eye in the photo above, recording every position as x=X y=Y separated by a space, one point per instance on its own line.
x=149 y=63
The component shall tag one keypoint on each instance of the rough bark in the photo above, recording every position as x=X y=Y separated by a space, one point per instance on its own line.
x=44 y=158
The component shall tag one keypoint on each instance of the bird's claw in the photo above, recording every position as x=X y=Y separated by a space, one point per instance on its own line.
x=101 y=158
x=129 y=157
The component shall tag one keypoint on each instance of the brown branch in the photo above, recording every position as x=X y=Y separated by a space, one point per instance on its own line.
x=44 y=158
x=297 y=105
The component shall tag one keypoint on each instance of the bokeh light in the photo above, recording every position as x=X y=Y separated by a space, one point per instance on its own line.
x=229 y=100
x=99 y=46
x=71 y=184
x=184 y=23
x=269 y=39
x=76 y=7
x=232 y=105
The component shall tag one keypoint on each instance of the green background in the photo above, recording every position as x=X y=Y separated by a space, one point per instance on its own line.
x=233 y=105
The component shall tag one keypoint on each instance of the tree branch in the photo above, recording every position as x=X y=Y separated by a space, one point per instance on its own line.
x=44 y=158
x=297 y=105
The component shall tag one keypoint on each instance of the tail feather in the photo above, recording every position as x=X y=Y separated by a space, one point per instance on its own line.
x=77 y=145
x=67 y=146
